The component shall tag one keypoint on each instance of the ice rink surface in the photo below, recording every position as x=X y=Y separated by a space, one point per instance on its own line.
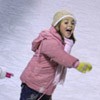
x=22 y=20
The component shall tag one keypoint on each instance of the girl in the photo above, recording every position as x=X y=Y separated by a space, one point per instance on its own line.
x=48 y=65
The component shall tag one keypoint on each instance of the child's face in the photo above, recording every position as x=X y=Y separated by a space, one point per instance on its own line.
x=67 y=27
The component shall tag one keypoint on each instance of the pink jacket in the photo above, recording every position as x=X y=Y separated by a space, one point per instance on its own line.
x=49 y=52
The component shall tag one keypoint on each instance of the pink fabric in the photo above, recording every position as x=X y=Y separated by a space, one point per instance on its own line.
x=9 y=75
x=69 y=44
x=49 y=52
x=61 y=71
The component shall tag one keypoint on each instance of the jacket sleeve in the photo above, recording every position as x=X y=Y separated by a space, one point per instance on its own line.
x=52 y=49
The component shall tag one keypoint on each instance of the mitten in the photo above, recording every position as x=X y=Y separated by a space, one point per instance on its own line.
x=4 y=74
x=9 y=75
x=84 y=67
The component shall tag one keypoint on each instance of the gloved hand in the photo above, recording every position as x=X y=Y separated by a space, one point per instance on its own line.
x=84 y=67
x=9 y=75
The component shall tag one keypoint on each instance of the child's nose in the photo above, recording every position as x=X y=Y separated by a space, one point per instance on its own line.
x=69 y=26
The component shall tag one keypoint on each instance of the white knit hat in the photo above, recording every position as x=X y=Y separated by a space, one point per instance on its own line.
x=61 y=15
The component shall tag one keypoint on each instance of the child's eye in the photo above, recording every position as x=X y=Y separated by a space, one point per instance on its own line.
x=66 y=22
x=73 y=23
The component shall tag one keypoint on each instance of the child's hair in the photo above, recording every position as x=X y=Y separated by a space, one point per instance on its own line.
x=73 y=38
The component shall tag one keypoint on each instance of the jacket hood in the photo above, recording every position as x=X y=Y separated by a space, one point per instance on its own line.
x=46 y=34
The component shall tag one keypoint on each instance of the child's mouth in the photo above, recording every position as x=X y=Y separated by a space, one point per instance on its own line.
x=69 y=31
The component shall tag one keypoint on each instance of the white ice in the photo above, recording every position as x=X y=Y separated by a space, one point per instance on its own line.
x=20 y=23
